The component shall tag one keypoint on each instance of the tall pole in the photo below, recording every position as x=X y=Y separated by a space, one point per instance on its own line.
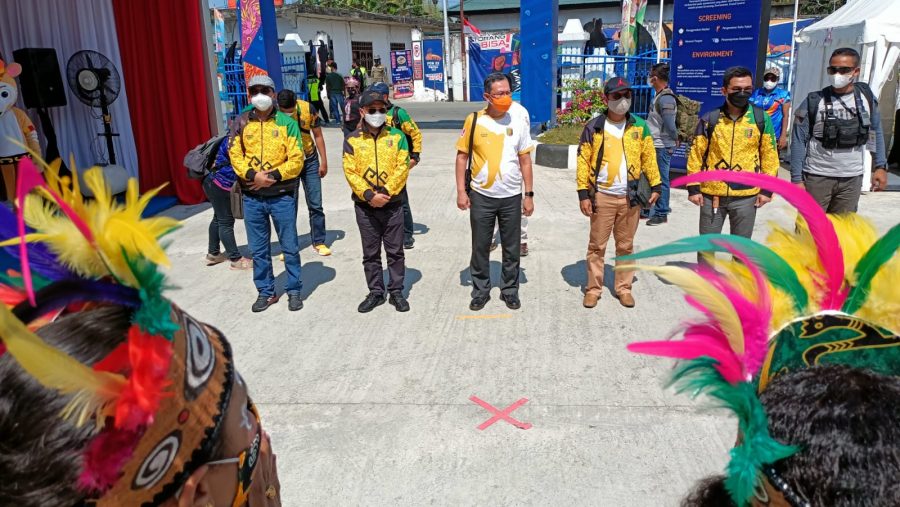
x=448 y=63
x=462 y=42
x=659 y=33
x=793 y=47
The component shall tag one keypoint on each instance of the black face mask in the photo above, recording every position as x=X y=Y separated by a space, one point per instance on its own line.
x=739 y=99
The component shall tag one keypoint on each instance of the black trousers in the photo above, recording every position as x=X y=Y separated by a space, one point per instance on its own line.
x=483 y=214
x=408 y=223
x=382 y=226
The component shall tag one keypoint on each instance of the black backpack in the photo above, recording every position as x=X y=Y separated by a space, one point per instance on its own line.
x=202 y=159
x=859 y=89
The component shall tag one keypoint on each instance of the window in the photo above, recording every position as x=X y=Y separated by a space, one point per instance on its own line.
x=398 y=46
x=362 y=53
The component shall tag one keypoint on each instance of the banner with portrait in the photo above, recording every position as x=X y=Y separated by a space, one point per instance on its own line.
x=493 y=52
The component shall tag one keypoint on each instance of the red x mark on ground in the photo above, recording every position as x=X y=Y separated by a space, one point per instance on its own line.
x=501 y=414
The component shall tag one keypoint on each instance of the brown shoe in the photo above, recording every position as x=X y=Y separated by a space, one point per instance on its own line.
x=590 y=300
x=626 y=299
x=524 y=250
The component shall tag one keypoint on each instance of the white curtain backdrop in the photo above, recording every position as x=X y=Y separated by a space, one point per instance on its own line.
x=70 y=26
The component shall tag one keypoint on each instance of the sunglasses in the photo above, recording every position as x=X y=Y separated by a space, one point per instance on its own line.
x=832 y=70
x=770 y=78
x=255 y=90
x=378 y=110
x=738 y=90
x=619 y=95
x=246 y=462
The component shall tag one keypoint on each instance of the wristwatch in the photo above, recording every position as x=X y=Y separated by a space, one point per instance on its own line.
x=529 y=194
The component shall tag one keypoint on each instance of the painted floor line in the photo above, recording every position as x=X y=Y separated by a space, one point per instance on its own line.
x=472 y=317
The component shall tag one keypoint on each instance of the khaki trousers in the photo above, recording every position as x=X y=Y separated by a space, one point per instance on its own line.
x=613 y=216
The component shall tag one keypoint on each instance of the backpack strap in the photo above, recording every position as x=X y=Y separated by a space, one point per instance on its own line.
x=599 y=125
x=395 y=118
x=710 y=128
x=759 y=117
x=471 y=151
x=664 y=91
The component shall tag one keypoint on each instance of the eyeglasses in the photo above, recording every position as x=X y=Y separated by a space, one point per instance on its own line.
x=619 y=95
x=257 y=89
x=739 y=90
x=771 y=78
x=500 y=94
x=246 y=462
x=376 y=110
x=832 y=70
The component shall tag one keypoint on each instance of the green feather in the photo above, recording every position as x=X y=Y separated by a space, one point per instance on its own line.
x=772 y=265
x=877 y=256
x=757 y=446
x=154 y=315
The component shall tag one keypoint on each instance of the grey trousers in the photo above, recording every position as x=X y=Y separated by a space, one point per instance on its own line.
x=741 y=213
x=483 y=214
x=834 y=194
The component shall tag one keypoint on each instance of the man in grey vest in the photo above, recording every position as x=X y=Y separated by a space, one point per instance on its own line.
x=833 y=128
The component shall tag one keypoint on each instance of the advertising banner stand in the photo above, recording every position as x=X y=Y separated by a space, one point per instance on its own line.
x=708 y=38
x=434 y=64
x=402 y=73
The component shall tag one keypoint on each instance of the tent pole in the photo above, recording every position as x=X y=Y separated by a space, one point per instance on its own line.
x=659 y=34
x=793 y=47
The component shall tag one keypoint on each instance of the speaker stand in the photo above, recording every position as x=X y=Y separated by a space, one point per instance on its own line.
x=52 y=152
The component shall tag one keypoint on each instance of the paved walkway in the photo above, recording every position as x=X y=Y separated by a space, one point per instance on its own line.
x=375 y=410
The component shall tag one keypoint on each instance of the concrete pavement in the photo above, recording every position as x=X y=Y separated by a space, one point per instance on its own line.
x=374 y=409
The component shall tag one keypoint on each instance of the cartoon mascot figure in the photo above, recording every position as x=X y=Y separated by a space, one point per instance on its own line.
x=16 y=129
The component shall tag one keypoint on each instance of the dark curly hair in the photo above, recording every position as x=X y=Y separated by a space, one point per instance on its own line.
x=846 y=422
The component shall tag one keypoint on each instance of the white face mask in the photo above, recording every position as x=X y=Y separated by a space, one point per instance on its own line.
x=841 y=80
x=769 y=85
x=620 y=106
x=650 y=81
x=376 y=120
x=261 y=102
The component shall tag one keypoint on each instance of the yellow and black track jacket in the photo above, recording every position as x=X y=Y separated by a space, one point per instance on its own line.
x=398 y=118
x=733 y=146
x=265 y=143
x=640 y=155
x=376 y=163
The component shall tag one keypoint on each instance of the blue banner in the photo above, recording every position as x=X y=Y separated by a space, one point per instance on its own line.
x=493 y=52
x=434 y=64
x=402 y=73
x=538 y=26
x=709 y=36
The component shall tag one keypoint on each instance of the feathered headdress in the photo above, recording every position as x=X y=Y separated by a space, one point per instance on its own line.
x=823 y=293
x=169 y=375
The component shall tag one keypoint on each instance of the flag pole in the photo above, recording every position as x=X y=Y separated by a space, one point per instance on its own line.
x=790 y=82
x=659 y=34
x=463 y=42
x=448 y=62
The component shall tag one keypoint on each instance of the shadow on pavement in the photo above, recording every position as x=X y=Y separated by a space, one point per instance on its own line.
x=312 y=274
x=465 y=277
x=413 y=276
x=576 y=276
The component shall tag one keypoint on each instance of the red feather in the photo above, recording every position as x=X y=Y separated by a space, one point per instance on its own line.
x=150 y=356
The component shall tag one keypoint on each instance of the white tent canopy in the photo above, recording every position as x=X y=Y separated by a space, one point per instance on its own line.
x=871 y=27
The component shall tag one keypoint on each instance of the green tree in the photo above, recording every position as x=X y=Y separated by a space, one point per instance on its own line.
x=820 y=7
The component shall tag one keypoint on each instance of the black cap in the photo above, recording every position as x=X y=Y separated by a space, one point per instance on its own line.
x=370 y=96
x=616 y=84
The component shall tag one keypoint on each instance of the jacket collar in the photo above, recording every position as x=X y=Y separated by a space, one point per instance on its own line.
x=256 y=115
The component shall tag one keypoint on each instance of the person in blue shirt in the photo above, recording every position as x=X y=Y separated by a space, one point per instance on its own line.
x=776 y=102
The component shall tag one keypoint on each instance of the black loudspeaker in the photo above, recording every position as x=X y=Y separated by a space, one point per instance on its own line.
x=40 y=83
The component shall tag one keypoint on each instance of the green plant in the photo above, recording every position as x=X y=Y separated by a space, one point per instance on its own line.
x=563 y=134
x=586 y=103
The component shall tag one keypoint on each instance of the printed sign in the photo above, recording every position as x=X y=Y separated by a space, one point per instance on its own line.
x=402 y=74
x=493 y=52
x=434 y=64
x=417 y=60
x=709 y=36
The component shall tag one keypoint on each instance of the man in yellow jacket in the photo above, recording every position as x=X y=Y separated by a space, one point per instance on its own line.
x=267 y=159
x=616 y=149
x=736 y=137
x=376 y=164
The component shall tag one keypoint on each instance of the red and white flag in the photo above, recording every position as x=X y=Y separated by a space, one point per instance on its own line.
x=469 y=28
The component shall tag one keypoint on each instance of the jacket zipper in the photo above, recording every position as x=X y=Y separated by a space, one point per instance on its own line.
x=731 y=155
x=377 y=172
x=262 y=144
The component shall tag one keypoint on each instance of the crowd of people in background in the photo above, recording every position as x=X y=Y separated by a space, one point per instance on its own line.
x=276 y=146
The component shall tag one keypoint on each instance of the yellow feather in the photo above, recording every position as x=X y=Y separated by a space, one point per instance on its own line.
x=707 y=295
x=91 y=391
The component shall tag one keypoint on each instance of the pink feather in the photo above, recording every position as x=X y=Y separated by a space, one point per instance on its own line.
x=823 y=233
x=30 y=178
x=105 y=457
x=729 y=365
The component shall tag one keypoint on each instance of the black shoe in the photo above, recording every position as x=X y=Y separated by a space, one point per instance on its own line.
x=295 y=302
x=478 y=302
x=399 y=302
x=657 y=220
x=511 y=300
x=409 y=244
x=263 y=302
x=371 y=301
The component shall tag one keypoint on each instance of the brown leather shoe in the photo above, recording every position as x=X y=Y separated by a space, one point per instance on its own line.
x=626 y=299
x=590 y=300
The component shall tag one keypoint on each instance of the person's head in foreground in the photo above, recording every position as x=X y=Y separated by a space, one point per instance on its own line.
x=846 y=423
x=799 y=342
x=262 y=92
x=498 y=94
x=110 y=395
x=373 y=107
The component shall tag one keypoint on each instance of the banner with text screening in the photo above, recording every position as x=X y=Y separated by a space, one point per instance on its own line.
x=402 y=73
x=709 y=36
